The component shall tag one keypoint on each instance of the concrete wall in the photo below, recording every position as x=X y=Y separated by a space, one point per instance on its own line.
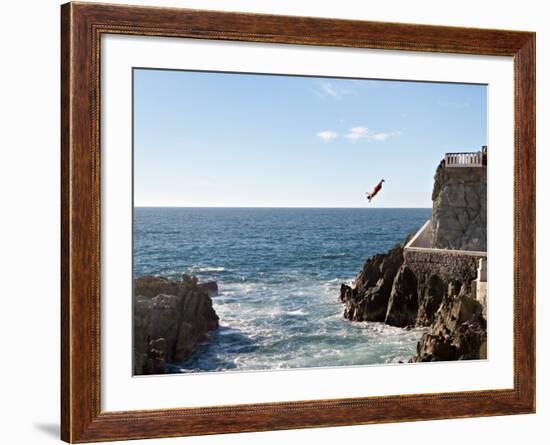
x=422 y=238
x=448 y=264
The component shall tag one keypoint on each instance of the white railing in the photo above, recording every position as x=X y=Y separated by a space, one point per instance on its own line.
x=464 y=159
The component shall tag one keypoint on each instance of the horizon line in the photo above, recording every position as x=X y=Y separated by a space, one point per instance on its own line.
x=272 y=207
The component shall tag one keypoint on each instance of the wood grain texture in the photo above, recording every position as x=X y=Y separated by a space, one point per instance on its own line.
x=81 y=28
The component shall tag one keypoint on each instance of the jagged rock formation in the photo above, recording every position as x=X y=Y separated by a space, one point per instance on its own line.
x=388 y=290
x=433 y=290
x=367 y=299
x=459 y=331
x=459 y=216
x=428 y=288
x=210 y=287
x=402 y=307
x=391 y=290
x=170 y=318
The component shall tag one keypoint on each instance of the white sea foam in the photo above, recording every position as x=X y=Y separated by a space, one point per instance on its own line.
x=334 y=255
x=279 y=276
x=201 y=269
x=297 y=312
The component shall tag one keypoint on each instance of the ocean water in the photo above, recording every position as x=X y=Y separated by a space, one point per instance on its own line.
x=279 y=273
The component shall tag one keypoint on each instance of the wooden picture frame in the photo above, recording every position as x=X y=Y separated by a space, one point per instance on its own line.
x=82 y=25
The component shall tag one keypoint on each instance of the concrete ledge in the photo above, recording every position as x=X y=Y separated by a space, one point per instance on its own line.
x=422 y=238
x=472 y=253
x=447 y=263
x=421 y=243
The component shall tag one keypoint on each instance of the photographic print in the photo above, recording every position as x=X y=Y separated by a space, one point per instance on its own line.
x=282 y=207
x=284 y=222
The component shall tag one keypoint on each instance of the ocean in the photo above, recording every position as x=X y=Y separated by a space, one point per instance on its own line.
x=279 y=272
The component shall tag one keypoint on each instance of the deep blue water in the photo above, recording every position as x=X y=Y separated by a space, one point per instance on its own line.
x=279 y=272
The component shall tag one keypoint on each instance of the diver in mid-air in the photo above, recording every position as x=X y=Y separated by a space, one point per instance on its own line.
x=375 y=190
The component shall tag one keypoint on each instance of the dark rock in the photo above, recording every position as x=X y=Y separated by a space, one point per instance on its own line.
x=432 y=289
x=470 y=340
x=459 y=331
x=210 y=287
x=367 y=299
x=170 y=317
x=154 y=356
x=403 y=304
x=433 y=348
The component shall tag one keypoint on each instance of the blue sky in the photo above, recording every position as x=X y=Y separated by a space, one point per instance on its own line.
x=245 y=140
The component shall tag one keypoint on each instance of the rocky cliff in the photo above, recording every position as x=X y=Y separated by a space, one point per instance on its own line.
x=459 y=215
x=433 y=289
x=390 y=290
x=170 y=318
x=459 y=331
x=367 y=299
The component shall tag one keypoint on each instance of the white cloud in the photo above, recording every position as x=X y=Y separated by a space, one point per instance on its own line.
x=336 y=91
x=327 y=135
x=380 y=136
x=361 y=132
x=356 y=133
